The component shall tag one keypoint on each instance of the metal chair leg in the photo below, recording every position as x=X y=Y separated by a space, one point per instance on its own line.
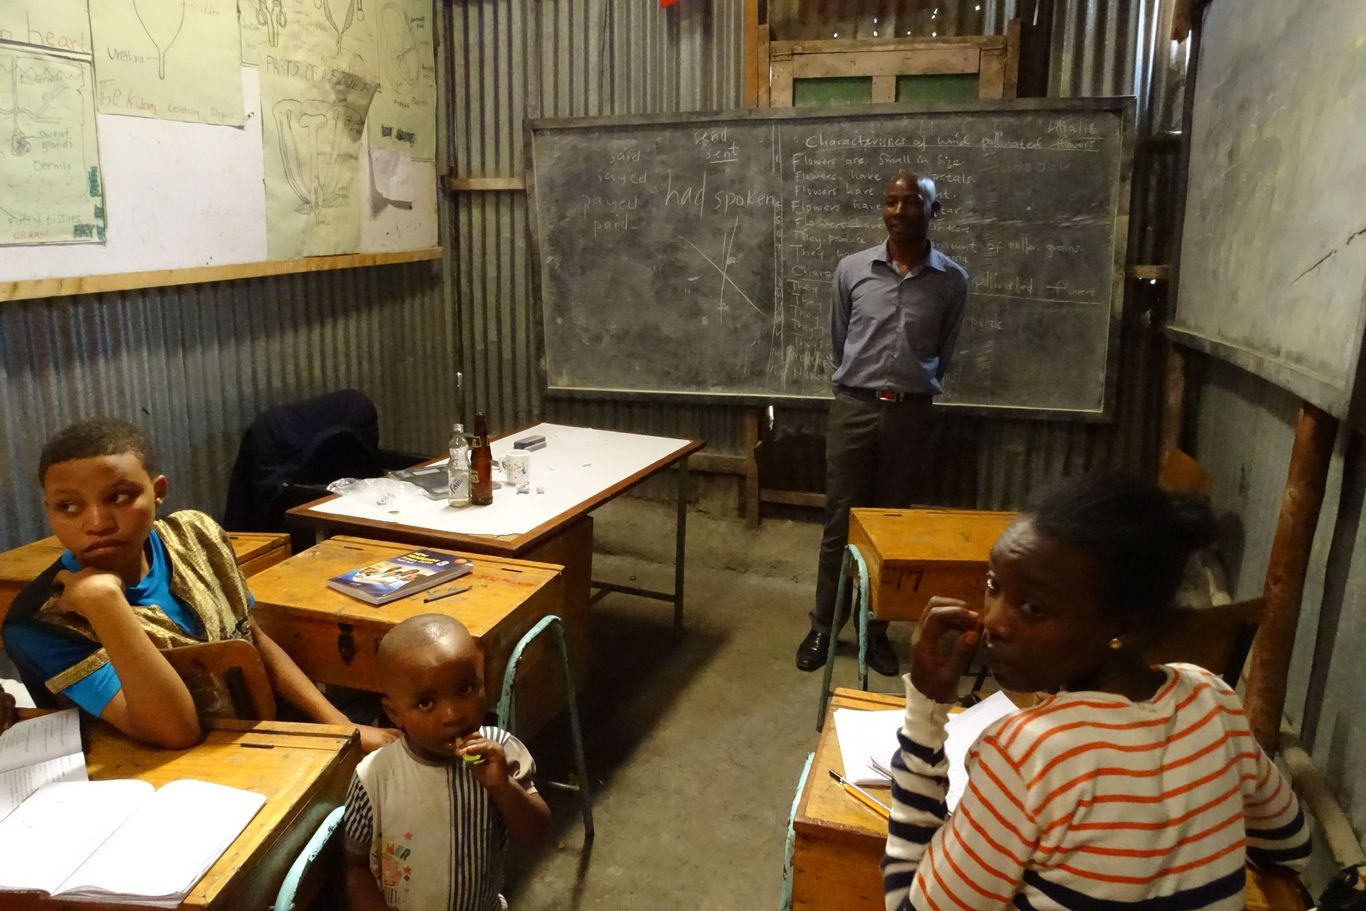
x=785 y=899
x=835 y=622
x=506 y=709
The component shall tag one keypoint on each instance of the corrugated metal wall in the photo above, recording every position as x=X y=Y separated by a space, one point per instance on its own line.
x=554 y=58
x=195 y=364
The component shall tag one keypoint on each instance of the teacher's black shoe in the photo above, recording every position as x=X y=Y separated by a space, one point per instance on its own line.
x=813 y=651
x=881 y=657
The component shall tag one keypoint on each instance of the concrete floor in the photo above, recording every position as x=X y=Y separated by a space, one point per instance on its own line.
x=694 y=739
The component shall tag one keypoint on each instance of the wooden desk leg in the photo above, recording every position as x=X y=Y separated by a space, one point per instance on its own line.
x=680 y=542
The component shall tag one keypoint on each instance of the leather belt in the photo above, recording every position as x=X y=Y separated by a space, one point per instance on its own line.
x=880 y=395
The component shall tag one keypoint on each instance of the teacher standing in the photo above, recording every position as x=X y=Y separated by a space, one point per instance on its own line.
x=896 y=313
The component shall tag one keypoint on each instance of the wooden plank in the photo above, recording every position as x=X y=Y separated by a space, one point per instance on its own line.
x=884 y=89
x=1157 y=272
x=928 y=61
x=780 y=82
x=1011 y=85
x=483 y=184
x=718 y=463
x=1310 y=454
x=756 y=56
x=764 y=98
x=752 y=496
x=991 y=81
x=976 y=43
x=32 y=289
x=792 y=497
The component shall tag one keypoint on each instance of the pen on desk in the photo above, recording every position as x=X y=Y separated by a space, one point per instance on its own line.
x=437 y=596
x=862 y=796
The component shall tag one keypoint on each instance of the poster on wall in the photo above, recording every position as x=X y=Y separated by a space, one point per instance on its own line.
x=170 y=59
x=311 y=134
x=51 y=25
x=51 y=191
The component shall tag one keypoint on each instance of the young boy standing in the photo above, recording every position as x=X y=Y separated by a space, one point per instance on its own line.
x=428 y=817
x=92 y=626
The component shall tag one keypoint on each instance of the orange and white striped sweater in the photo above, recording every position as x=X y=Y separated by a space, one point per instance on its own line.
x=1090 y=802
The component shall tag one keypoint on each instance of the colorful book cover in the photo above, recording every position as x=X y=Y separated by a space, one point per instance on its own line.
x=398 y=577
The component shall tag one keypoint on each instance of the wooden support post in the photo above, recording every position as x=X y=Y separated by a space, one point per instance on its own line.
x=1315 y=432
x=756 y=69
x=751 y=499
x=1173 y=401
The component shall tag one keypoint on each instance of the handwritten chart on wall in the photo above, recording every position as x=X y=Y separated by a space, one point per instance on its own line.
x=692 y=255
x=1273 y=250
x=140 y=138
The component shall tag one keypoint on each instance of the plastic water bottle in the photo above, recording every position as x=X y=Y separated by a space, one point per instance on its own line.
x=458 y=468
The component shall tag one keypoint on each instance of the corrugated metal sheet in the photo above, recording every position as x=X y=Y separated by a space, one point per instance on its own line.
x=195 y=364
x=589 y=57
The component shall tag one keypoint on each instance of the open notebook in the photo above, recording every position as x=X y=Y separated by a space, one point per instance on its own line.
x=868 y=742
x=120 y=841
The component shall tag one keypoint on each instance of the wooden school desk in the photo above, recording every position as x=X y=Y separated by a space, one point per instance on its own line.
x=333 y=637
x=255 y=551
x=914 y=554
x=838 y=842
x=303 y=769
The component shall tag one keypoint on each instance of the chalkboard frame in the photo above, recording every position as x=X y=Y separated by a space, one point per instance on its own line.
x=1122 y=106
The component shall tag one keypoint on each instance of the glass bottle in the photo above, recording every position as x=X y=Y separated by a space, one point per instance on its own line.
x=481 y=463
x=458 y=468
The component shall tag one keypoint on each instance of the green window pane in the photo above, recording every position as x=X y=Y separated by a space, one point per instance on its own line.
x=941 y=87
x=832 y=90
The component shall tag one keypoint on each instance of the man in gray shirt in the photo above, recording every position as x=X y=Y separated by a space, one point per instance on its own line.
x=896 y=313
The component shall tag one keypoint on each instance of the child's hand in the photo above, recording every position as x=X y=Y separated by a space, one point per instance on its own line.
x=8 y=713
x=491 y=769
x=88 y=591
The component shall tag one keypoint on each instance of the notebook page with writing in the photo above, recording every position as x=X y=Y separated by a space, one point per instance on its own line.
x=158 y=855
x=36 y=752
x=59 y=826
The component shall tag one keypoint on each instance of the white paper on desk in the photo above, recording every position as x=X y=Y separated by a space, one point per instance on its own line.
x=36 y=752
x=157 y=856
x=576 y=464
x=963 y=730
x=866 y=736
x=58 y=827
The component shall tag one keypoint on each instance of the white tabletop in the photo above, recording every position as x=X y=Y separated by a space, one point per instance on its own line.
x=577 y=463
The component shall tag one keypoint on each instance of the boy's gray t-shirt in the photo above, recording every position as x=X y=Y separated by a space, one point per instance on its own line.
x=432 y=834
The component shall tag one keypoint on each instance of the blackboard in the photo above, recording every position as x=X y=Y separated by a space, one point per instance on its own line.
x=1272 y=273
x=692 y=255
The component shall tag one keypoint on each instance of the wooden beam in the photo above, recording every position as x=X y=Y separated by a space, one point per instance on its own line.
x=717 y=463
x=764 y=77
x=1315 y=433
x=793 y=497
x=991 y=74
x=756 y=66
x=884 y=89
x=33 y=289
x=1150 y=272
x=1173 y=401
x=482 y=184
x=888 y=45
x=750 y=502
x=1011 y=87
x=924 y=62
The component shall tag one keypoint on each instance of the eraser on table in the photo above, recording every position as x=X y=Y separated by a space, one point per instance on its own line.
x=535 y=441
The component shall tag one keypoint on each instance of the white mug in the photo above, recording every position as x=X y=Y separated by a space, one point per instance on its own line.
x=517 y=470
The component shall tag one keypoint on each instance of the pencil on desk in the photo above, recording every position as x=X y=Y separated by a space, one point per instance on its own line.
x=437 y=596
x=862 y=796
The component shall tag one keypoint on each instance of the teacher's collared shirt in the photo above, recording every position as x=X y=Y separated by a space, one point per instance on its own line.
x=890 y=331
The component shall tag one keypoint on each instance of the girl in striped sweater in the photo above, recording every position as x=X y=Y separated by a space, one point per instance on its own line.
x=1127 y=787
